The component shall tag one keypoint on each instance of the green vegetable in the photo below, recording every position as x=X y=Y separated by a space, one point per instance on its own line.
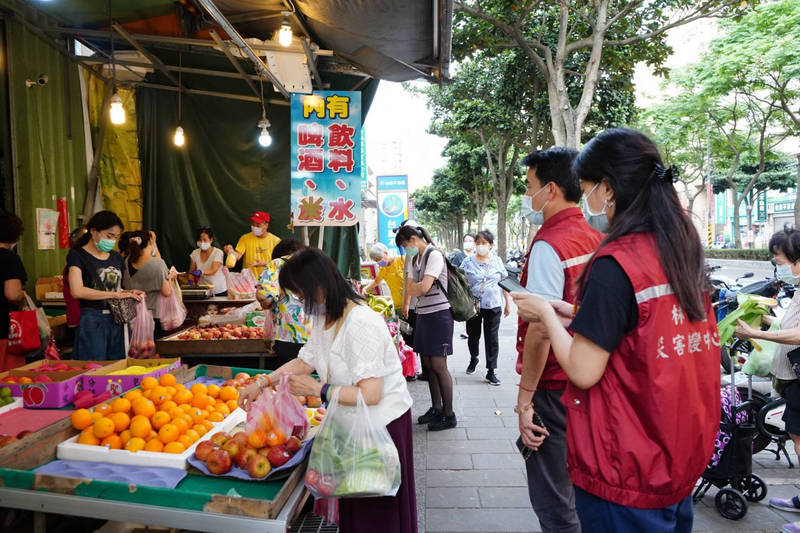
x=751 y=309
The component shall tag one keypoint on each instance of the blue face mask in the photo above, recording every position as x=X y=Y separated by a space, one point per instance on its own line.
x=383 y=263
x=598 y=221
x=105 y=245
x=411 y=251
x=785 y=274
x=534 y=217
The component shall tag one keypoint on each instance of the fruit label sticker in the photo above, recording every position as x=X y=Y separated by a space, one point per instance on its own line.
x=326 y=158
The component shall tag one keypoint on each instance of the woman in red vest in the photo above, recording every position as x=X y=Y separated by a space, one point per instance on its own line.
x=643 y=398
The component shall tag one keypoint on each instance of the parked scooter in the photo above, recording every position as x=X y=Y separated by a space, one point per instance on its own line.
x=514 y=263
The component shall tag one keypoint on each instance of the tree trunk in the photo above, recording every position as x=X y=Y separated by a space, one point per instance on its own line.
x=737 y=237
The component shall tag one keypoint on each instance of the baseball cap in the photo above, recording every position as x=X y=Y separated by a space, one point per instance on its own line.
x=259 y=217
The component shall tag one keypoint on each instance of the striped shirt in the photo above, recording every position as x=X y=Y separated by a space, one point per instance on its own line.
x=432 y=263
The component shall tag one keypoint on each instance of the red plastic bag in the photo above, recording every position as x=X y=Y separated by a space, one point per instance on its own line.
x=142 y=343
x=23 y=332
x=171 y=311
x=278 y=414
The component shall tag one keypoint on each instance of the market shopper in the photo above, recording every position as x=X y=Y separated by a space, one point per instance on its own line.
x=73 y=306
x=13 y=277
x=484 y=270
x=147 y=273
x=643 y=401
x=291 y=326
x=785 y=248
x=95 y=276
x=433 y=330
x=557 y=256
x=208 y=260
x=255 y=246
x=390 y=271
x=351 y=350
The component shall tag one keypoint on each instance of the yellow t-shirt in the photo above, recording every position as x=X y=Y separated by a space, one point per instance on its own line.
x=256 y=249
x=393 y=276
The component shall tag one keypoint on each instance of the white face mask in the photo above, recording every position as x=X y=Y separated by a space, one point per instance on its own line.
x=204 y=245
x=785 y=274
x=598 y=221
x=534 y=217
x=256 y=231
x=469 y=246
x=482 y=250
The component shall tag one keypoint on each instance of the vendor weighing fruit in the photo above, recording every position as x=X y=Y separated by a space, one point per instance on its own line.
x=256 y=246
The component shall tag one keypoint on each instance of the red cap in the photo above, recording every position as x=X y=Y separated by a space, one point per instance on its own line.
x=259 y=217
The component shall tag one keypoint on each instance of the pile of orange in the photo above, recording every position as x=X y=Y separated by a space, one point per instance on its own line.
x=162 y=416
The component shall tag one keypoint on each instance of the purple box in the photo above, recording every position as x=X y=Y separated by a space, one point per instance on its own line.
x=100 y=380
x=62 y=383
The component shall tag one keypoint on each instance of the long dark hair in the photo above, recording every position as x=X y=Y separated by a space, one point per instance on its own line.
x=309 y=271
x=102 y=220
x=287 y=246
x=137 y=241
x=646 y=202
x=405 y=233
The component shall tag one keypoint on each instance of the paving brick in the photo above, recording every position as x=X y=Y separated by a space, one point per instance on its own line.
x=476 y=402
x=482 y=461
x=504 y=497
x=480 y=421
x=476 y=478
x=458 y=461
x=480 y=520
x=452 y=497
x=448 y=434
x=492 y=433
x=472 y=446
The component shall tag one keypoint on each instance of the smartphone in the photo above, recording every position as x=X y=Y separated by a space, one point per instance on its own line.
x=524 y=450
x=510 y=284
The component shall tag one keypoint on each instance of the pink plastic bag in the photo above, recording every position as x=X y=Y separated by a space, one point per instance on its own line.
x=142 y=344
x=171 y=311
x=241 y=285
x=278 y=412
x=269 y=325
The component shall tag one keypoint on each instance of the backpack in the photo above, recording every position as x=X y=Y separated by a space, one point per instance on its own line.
x=459 y=292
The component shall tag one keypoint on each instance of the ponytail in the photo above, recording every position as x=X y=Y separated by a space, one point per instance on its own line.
x=405 y=233
x=138 y=241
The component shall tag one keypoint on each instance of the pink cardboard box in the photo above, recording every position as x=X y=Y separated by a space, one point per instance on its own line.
x=100 y=381
x=32 y=370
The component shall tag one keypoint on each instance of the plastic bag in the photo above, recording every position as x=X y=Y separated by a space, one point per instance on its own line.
x=142 y=344
x=171 y=311
x=241 y=285
x=278 y=414
x=760 y=359
x=269 y=325
x=351 y=456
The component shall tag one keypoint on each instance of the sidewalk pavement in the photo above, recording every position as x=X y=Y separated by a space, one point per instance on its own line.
x=472 y=479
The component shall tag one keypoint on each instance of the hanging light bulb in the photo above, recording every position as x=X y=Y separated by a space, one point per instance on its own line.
x=264 y=139
x=285 y=33
x=116 y=111
x=178 y=139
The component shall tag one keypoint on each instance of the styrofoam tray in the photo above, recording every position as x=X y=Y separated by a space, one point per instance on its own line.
x=16 y=404
x=71 y=450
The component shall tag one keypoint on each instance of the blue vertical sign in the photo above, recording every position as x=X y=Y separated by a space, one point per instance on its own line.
x=326 y=158
x=392 y=206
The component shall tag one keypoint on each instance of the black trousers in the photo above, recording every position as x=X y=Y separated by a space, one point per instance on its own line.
x=491 y=325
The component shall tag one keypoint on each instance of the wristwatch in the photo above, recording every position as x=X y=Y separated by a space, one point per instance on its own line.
x=523 y=409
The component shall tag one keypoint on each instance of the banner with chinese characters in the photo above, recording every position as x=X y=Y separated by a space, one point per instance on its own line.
x=392 y=206
x=326 y=158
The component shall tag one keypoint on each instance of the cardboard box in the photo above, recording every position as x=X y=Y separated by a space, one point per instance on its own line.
x=45 y=285
x=101 y=380
x=31 y=370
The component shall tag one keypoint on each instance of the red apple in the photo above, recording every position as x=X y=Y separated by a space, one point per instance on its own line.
x=243 y=457
x=278 y=456
x=219 y=462
x=41 y=378
x=204 y=449
x=220 y=438
x=293 y=445
x=258 y=466
x=232 y=447
x=241 y=375
x=241 y=438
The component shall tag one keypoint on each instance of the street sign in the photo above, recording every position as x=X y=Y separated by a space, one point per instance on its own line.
x=392 y=206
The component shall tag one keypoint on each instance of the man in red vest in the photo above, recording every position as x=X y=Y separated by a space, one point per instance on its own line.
x=559 y=252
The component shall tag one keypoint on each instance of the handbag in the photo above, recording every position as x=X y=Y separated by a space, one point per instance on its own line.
x=23 y=329
x=123 y=310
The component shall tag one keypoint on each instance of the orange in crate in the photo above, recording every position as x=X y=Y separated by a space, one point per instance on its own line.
x=140 y=428
x=112 y=441
x=144 y=407
x=168 y=433
x=168 y=380
x=103 y=428
x=135 y=444
x=198 y=389
x=125 y=436
x=121 y=421
x=133 y=394
x=228 y=393
x=200 y=400
x=103 y=408
x=160 y=418
x=185 y=441
x=154 y=445
x=121 y=405
x=88 y=437
x=174 y=447
x=149 y=382
x=216 y=417
x=181 y=424
x=182 y=396
x=213 y=390
x=159 y=395
x=200 y=429
x=81 y=419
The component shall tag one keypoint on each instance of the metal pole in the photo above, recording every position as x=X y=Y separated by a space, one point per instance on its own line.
x=234 y=61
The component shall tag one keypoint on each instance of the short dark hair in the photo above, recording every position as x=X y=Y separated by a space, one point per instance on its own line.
x=486 y=235
x=555 y=165
x=309 y=271
x=207 y=230
x=11 y=227
x=469 y=235
x=787 y=242
x=287 y=247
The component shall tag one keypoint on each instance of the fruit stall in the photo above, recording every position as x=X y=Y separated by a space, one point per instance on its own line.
x=149 y=441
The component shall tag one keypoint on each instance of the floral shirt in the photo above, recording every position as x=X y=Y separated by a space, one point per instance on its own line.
x=289 y=320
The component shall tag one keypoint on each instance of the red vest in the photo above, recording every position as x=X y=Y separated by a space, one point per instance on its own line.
x=574 y=240
x=642 y=436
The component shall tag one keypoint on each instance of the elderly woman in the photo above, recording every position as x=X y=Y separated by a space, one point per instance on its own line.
x=350 y=361
x=391 y=271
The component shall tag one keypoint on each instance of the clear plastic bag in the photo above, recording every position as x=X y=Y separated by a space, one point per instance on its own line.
x=241 y=285
x=278 y=414
x=351 y=456
x=142 y=344
x=171 y=311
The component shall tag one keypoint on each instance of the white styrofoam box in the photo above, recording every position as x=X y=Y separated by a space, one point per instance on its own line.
x=71 y=450
x=16 y=404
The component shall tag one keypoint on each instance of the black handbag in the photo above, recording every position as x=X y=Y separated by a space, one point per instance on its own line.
x=794 y=360
x=123 y=310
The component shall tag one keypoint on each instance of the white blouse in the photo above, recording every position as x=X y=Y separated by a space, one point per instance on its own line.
x=362 y=349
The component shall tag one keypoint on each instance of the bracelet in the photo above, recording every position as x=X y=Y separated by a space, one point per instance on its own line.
x=525 y=389
x=323 y=393
x=525 y=408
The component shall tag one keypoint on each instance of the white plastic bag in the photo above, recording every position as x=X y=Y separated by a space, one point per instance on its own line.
x=171 y=311
x=351 y=456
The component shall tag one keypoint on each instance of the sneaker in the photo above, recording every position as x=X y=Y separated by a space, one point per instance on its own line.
x=791 y=505
x=429 y=416
x=422 y=377
x=473 y=364
x=444 y=422
x=794 y=527
x=491 y=379
x=411 y=378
